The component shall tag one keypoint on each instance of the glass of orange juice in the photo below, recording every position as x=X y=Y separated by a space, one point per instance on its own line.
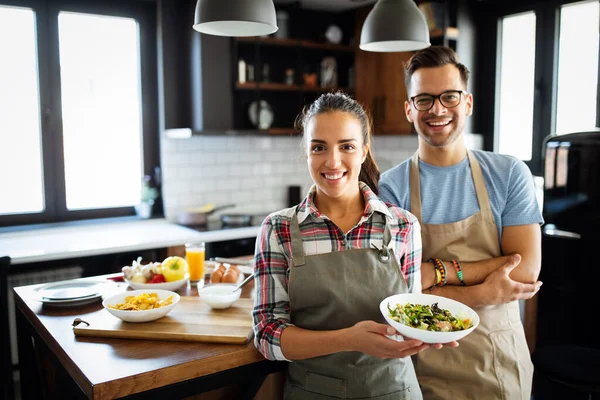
x=194 y=254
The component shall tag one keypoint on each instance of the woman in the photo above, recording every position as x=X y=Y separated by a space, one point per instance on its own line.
x=323 y=267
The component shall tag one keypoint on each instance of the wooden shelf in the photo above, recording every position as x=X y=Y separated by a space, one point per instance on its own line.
x=282 y=131
x=273 y=41
x=284 y=87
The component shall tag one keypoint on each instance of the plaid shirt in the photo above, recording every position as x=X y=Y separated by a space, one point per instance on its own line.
x=273 y=257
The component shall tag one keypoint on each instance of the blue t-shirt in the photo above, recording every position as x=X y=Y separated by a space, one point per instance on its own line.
x=446 y=196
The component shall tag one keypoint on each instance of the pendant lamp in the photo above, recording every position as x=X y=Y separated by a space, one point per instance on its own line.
x=235 y=17
x=394 y=25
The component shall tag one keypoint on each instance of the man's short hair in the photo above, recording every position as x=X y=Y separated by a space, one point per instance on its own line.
x=434 y=56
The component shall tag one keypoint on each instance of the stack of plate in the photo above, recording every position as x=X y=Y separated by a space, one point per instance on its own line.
x=73 y=292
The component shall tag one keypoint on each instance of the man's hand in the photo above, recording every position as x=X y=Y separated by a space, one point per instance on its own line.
x=500 y=288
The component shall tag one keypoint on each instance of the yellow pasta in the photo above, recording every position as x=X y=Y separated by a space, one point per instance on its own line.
x=144 y=301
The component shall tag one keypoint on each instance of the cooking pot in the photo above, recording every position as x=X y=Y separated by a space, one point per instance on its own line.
x=199 y=216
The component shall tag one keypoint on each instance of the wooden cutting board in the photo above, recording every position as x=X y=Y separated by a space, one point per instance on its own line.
x=191 y=321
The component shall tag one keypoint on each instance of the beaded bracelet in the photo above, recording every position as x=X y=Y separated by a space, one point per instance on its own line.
x=459 y=272
x=441 y=268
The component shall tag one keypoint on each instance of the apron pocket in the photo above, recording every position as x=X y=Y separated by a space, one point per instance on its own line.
x=512 y=364
x=296 y=393
x=325 y=385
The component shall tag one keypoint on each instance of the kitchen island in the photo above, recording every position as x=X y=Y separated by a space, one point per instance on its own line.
x=57 y=364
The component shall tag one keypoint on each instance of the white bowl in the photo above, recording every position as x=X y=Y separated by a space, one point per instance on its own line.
x=140 y=315
x=173 y=285
x=457 y=309
x=219 y=295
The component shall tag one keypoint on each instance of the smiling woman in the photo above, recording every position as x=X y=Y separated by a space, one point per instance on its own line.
x=77 y=83
x=340 y=239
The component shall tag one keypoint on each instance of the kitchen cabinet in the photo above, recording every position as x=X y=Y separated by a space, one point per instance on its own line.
x=380 y=84
x=193 y=72
x=280 y=75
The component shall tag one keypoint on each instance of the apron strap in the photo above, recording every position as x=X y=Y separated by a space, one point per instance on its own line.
x=482 y=194
x=415 y=187
x=297 y=249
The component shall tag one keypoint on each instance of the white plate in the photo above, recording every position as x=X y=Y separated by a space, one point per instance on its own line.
x=73 y=292
x=174 y=285
x=210 y=267
x=140 y=315
x=263 y=118
x=457 y=309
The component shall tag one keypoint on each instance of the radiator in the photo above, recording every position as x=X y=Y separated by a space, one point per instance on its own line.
x=33 y=278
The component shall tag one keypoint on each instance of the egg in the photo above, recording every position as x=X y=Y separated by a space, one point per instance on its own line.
x=216 y=276
x=230 y=276
x=235 y=268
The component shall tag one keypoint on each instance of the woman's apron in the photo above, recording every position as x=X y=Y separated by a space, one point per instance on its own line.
x=334 y=291
x=493 y=362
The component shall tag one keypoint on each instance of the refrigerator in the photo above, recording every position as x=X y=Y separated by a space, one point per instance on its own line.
x=568 y=300
x=567 y=350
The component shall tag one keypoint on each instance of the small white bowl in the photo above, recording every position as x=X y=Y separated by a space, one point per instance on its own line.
x=140 y=315
x=219 y=295
x=173 y=285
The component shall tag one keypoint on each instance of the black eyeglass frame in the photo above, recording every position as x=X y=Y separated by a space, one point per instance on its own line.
x=438 y=97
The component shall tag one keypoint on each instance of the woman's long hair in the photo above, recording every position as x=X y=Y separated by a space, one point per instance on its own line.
x=339 y=101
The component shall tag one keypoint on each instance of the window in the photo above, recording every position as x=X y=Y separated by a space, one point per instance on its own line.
x=517 y=60
x=81 y=131
x=20 y=135
x=547 y=75
x=577 y=69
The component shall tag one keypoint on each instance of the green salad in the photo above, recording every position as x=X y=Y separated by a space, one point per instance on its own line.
x=428 y=317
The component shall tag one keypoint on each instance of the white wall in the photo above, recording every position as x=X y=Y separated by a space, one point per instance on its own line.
x=252 y=172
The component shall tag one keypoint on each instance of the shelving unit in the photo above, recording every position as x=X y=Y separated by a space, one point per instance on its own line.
x=286 y=99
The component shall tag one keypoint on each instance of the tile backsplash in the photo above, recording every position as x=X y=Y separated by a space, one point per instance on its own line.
x=252 y=172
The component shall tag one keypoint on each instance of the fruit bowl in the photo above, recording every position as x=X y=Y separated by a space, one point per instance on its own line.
x=173 y=285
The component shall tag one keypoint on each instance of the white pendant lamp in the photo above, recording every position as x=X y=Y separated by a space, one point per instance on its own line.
x=235 y=17
x=394 y=25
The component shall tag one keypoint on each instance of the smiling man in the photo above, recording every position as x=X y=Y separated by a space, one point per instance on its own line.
x=480 y=229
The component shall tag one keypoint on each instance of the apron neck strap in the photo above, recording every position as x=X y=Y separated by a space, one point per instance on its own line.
x=297 y=249
x=482 y=194
x=415 y=185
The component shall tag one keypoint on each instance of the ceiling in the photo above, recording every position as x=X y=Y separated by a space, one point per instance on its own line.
x=326 y=5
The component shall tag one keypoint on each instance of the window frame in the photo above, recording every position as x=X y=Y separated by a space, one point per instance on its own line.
x=46 y=19
x=546 y=71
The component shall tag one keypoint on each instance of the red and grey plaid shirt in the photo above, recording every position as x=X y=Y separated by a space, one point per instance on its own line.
x=273 y=257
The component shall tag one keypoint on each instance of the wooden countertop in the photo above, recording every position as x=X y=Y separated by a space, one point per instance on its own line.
x=110 y=368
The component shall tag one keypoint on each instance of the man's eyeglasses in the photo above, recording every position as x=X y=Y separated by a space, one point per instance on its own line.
x=449 y=99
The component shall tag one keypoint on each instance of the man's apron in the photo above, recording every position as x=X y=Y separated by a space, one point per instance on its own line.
x=334 y=291
x=493 y=362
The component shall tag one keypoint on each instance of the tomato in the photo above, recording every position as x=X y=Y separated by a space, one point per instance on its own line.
x=157 y=278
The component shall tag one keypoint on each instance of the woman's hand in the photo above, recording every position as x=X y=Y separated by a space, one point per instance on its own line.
x=370 y=337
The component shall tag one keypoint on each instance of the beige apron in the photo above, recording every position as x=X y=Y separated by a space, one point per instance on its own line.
x=334 y=291
x=493 y=362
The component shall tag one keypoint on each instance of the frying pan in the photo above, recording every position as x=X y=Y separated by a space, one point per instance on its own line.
x=199 y=216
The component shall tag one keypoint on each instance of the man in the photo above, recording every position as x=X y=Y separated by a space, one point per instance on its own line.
x=480 y=218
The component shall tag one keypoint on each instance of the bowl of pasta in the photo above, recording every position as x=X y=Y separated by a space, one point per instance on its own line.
x=429 y=318
x=141 y=305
